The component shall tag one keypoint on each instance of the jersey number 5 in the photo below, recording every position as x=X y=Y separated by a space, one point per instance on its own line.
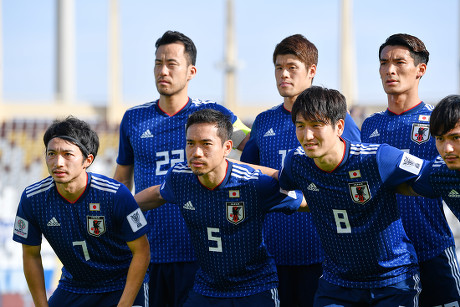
x=218 y=240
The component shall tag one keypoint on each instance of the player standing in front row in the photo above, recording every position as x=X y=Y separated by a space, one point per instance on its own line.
x=92 y=223
x=369 y=261
x=403 y=63
x=224 y=206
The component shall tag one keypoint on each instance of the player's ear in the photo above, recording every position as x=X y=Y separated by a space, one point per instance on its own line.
x=88 y=161
x=228 y=145
x=191 y=72
x=340 y=125
x=421 y=70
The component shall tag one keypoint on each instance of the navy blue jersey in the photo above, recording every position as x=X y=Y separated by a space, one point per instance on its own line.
x=272 y=136
x=437 y=180
x=154 y=141
x=355 y=213
x=423 y=218
x=88 y=236
x=225 y=225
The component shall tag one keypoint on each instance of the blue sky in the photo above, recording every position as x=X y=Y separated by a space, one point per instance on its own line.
x=29 y=45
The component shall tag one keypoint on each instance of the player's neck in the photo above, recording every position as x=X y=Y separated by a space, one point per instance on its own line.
x=332 y=158
x=173 y=104
x=400 y=103
x=74 y=189
x=289 y=102
x=214 y=177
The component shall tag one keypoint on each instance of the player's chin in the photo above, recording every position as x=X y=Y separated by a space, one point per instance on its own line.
x=198 y=172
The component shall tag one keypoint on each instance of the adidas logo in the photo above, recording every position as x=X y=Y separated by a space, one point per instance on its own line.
x=454 y=194
x=270 y=132
x=188 y=205
x=147 y=134
x=312 y=187
x=53 y=222
x=374 y=134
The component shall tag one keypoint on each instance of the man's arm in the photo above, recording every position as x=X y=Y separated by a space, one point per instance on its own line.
x=264 y=169
x=304 y=206
x=33 y=271
x=137 y=269
x=149 y=198
x=125 y=175
x=405 y=189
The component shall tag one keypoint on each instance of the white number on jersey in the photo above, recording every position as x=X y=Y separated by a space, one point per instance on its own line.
x=165 y=161
x=341 y=221
x=218 y=240
x=84 y=247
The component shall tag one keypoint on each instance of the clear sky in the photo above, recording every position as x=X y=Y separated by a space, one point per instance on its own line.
x=29 y=45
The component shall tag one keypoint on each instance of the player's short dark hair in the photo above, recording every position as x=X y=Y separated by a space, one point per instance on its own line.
x=75 y=131
x=299 y=46
x=211 y=116
x=416 y=47
x=445 y=116
x=171 y=37
x=320 y=104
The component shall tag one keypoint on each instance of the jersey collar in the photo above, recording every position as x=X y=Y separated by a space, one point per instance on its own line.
x=412 y=110
x=184 y=108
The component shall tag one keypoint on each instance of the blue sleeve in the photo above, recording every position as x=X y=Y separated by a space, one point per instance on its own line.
x=166 y=189
x=275 y=199
x=251 y=152
x=125 y=150
x=351 y=131
x=396 y=166
x=26 y=229
x=285 y=174
x=225 y=111
x=422 y=186
x=132 y=221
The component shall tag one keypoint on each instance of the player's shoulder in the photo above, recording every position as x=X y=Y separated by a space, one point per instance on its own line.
x=181 y=168
x=143 y=106
x=438 y=163
x=104 y=183
x=244 y=172
x=42 y=186
x=359 y=149
x=198 y=104
x=375 y=116
x=428 y=107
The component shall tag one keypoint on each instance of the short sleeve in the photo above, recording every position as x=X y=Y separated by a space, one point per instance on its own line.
x=26 y=229
x=422 y=185
x=276 y=199
x=166 y=188
x=396 y=166
x=351 y=131
x=125 y=150
x=285 y=174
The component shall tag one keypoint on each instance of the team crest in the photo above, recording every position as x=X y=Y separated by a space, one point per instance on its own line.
x=420 y=133
x=235 y=212
x=96 y=225
x=360 y=192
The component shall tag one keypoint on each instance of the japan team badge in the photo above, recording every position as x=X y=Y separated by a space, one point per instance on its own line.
x=235 y=212
x=96 y=225
x=420 y=133
x=360 y=192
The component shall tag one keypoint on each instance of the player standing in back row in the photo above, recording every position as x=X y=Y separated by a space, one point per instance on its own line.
x=405 y=125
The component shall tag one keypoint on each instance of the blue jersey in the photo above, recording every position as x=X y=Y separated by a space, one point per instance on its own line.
x=154 y=141
x=423 y=218
x=89 y=236
x=272 y=136
x=437 y=180
x=355 y=213
x=225 y=225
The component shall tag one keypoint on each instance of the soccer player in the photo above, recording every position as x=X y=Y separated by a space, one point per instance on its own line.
x=224 y=205
x=369 y=261
x=151 y=141
x=405 y=125
x=298 y=259
x=92 y=222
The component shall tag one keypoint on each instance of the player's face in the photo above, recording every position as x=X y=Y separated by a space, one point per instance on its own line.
x=172 y=70
x=398 y=72
x=319 y=140
x=65 y=162
x=448 y=146
x=205 y=151
x=292 y=77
